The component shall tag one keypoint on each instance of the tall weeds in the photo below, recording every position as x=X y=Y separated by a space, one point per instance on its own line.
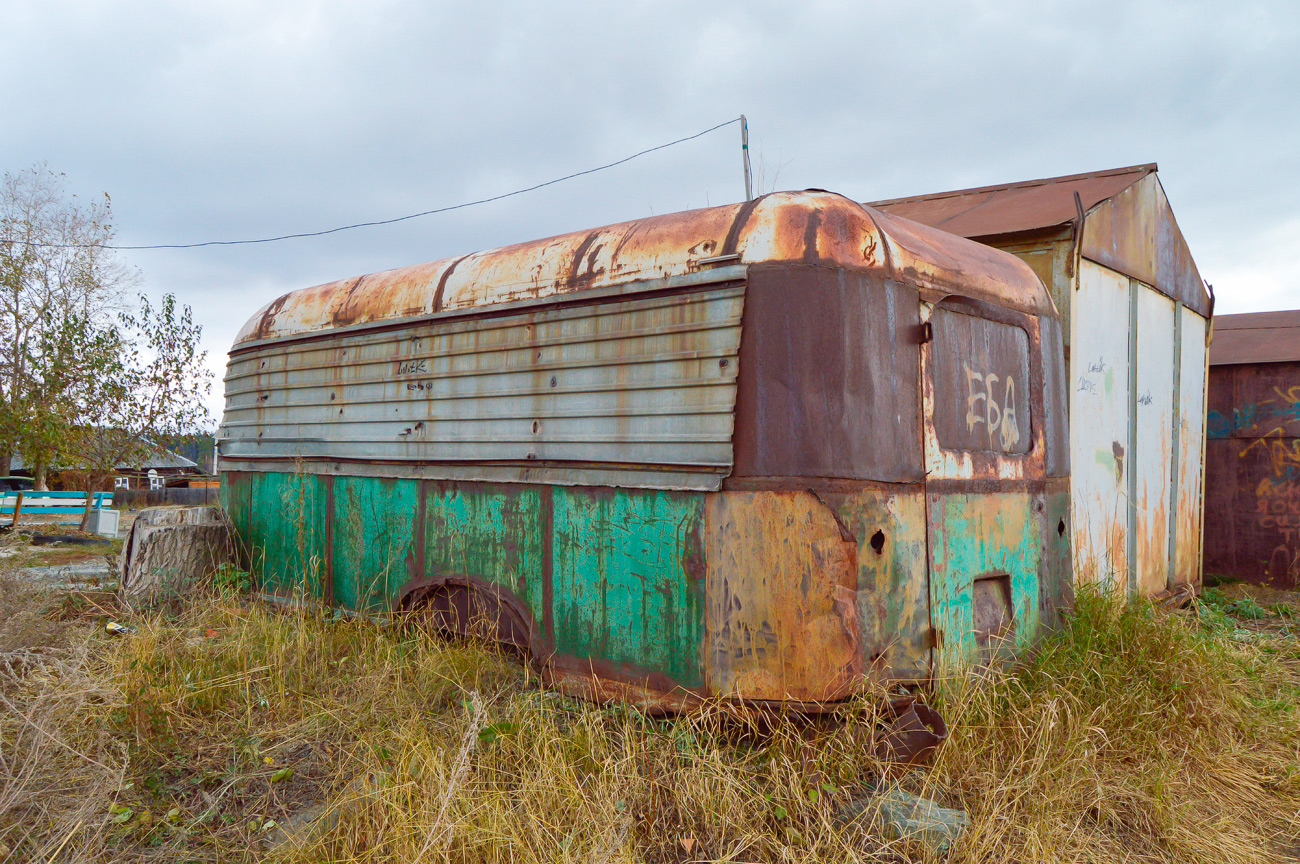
x=251 y=734
x=1136 y=734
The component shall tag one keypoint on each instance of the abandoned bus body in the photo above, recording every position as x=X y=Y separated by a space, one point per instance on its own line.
x=768 y=451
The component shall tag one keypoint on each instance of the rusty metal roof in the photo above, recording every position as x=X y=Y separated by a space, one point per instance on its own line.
x=1256 y=337
x=1011 y=208
x=813 y=227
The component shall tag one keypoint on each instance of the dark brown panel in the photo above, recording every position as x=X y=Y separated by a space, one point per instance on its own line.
x=1254 y=401
x=1014 y=207
x=828 y=378
x=1252 y=473
x=1056 y=416
x=1256 y=337
x=981 y=384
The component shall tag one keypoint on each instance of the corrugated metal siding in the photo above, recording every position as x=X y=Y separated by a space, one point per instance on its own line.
x=633 y=392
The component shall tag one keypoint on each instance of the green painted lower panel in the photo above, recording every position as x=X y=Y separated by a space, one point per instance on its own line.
x=235 y=493
x=627 y=565
x=628 y=579
x=286 y=534
x=977 y=536
x=493 y=532
x=623 y=570
x=374 y=528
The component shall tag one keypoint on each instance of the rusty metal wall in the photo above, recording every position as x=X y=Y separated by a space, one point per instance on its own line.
x=370 y=425
x=1252 y=518
x=829 y=387
x=629 y=392
x=1135 y=233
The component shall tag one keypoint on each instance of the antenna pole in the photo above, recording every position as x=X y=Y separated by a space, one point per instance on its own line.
x=744 y=150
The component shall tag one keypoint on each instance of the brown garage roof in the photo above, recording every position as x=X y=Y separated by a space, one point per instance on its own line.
x=1013 y=207
x=1256 y=337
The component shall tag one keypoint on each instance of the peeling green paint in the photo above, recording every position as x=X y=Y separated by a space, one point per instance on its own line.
x=1105 y=458
x=974 y=535
x=491 y=532
x=626 y=567
x=624 y=586
x=627 y=564
x=374 y=530
x=286 y=536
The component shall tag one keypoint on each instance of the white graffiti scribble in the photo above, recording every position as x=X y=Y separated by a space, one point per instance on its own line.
x=983 y=407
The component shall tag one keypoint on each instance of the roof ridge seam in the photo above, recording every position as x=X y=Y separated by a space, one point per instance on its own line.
x=1147 y=168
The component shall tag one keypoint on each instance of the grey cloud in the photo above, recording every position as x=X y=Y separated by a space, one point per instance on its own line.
x=240 y=120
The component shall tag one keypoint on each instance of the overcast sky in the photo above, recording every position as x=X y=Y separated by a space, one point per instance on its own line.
x=246 y=119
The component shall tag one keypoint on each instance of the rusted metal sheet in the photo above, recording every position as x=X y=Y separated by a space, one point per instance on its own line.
x=1252 y=520
x=1126 y=224
x=1256 y=337
x=1011 y=208
x=811 y=228
x=539 y=439
x=1056 y=579
x=1134 y=233
x=836 y=401
x=1056 y=396
x=781 y=598
x=888 y=521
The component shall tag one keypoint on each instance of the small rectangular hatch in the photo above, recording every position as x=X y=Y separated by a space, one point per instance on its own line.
x=993 y=616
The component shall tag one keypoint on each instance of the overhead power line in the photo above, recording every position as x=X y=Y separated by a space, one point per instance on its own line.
x=384 y=221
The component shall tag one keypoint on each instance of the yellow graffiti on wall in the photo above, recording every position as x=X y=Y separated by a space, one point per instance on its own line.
x=1277 y=498
x=1282 y=452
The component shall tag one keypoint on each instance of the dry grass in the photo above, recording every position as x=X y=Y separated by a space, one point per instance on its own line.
x=1134 y=735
